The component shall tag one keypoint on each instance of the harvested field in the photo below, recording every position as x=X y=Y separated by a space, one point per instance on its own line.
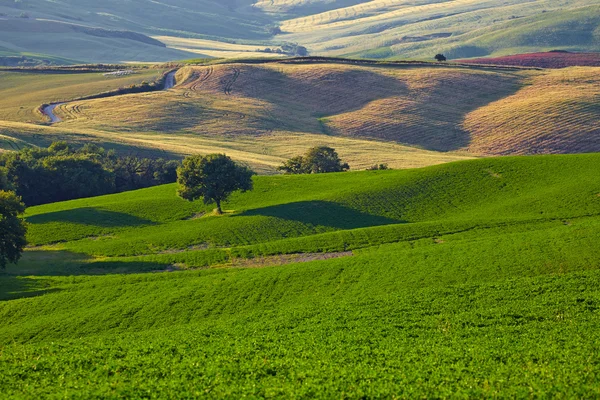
x=542 y=60
x=556 y=113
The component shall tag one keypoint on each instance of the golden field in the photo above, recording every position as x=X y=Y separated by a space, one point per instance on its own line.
x=406 y=116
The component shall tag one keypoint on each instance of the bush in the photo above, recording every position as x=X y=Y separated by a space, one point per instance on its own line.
x=317 y=160
x=378 y=167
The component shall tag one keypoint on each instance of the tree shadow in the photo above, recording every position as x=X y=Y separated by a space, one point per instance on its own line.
x=18 y=287
x=90 y=216
x=67 y=263
x=30 y=276
x=322 y=213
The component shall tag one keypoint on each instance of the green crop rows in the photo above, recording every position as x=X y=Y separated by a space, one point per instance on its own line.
x=471 y=279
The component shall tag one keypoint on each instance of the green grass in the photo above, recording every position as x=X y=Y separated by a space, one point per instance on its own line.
x=471 y=279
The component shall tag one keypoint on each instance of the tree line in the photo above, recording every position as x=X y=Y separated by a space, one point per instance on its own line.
x=62 y=172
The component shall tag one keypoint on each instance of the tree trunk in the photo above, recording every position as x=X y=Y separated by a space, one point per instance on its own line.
x=218 y=210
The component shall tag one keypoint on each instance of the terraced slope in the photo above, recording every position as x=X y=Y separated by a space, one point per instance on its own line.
x=480 y=275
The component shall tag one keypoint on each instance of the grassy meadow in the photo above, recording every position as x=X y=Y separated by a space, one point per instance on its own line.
x=470 y=279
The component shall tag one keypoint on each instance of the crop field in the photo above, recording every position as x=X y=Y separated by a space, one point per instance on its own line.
x=542 y=60
x=116 y=31
x=557 y=113
x=263 y=113
x=459 y=29
x=22 y=93
x=213 y=48
x=440 y=109
x=477 y=278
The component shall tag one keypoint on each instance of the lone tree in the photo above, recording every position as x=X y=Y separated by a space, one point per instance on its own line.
x=213 y=178
x=12 y=228
x=317 y=160
x=440 y=57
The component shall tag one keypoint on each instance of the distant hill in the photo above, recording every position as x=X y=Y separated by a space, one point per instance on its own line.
x=551 y=59
x=355 y=28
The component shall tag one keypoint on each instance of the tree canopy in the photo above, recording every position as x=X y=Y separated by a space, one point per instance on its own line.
x=317 y=160
x=212 y=178
x=63 y=172
x=440 y=57
x=12 y=228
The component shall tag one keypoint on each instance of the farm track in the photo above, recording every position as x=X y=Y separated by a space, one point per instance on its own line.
x=228 y=83
x=198 y=80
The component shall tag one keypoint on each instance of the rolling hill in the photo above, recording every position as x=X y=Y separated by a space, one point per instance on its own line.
x=404 y=114
x=555 y=59
x=475 y=278
x=121 y=31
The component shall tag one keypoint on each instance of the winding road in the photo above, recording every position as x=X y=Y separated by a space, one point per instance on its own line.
x=49 y=109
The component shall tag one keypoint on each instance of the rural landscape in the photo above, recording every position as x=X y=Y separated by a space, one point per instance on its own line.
x=299 y=199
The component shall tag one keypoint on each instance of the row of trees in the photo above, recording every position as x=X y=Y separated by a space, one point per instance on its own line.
x=62 y=172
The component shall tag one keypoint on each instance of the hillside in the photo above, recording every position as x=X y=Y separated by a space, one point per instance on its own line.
x=555 y=59
x=375 y=29
x=407 y=115
x=476 y=278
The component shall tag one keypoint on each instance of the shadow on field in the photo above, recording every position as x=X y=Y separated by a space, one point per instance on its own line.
x=90 y=216
x=322 y=213
x=66 y=263
x=17 y=287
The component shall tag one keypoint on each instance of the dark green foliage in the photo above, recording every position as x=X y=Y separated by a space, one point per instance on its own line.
x=295 y=165
x=317 y=160
x=12 y=228
x=378 y=167
x=293 y=49
x=213 y=178
x=440 y=57
x=61 y=172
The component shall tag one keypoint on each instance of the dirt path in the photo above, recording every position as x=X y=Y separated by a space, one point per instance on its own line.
x=49 y=109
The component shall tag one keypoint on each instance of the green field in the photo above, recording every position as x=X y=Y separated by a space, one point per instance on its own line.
x=469 y=279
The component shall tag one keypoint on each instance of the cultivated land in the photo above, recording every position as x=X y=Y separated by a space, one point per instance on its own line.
x=262 y=113
x=22 y=93
x=113 y=30
x=542 y=60
x=476 y=278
